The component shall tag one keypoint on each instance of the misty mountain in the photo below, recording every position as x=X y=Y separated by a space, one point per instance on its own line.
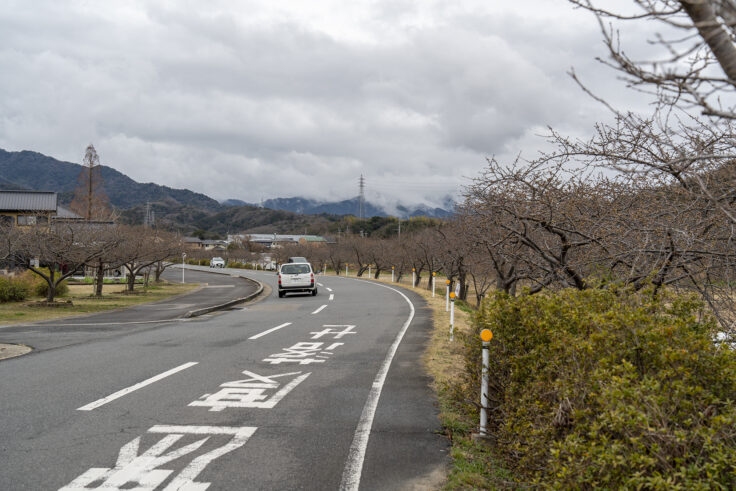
x=306 y=206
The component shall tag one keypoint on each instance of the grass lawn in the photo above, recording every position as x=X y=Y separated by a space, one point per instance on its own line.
x=83 y=302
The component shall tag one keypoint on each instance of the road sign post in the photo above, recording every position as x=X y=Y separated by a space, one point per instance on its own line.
x=452 y=316
x=485 y=335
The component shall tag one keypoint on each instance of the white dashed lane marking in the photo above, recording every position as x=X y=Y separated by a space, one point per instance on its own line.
x=319 y=309
x=270 y=330
x=128 y=390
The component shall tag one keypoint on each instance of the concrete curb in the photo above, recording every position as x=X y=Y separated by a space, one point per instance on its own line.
x=207 y=310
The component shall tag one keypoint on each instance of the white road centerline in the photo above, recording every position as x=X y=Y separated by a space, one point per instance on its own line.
x=320 y=309
x=329 y=289
x=320 y=284
x=332 y=296
x=128 y=390
x=270 y=330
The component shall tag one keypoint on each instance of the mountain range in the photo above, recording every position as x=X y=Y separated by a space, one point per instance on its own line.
x=182 y=208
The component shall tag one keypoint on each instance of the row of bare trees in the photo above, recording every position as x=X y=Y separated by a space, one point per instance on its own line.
x=63 y=249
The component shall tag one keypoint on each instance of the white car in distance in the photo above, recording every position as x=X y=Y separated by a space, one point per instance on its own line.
x=296 y=277
x=217 y=262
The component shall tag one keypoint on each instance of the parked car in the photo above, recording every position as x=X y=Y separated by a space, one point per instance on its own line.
x=297 y=260
x=217 y=262
x=296 y=277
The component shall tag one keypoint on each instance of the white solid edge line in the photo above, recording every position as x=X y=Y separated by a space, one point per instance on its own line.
x=320 y=309
x=270 y=330
x=128 y=390
x=332 y=296
x=356 y=455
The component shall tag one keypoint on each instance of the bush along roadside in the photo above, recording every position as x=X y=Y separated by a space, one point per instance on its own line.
x=599 y=388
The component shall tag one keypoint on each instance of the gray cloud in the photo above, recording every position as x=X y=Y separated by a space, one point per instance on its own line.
x=249 y=100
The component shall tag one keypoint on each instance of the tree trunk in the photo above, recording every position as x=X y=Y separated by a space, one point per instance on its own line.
x=717 y=38
x=51 y=292
x=99 y=276
x=130 y=285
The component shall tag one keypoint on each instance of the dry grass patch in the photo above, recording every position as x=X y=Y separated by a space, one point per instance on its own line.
x=83 y=302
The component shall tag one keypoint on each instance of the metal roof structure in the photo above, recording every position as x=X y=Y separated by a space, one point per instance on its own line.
x=28 y=201
x=62 y=212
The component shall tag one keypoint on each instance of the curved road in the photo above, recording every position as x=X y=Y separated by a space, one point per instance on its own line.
x=303 y=392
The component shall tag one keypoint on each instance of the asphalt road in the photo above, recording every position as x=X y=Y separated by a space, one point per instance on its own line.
x=303 y=392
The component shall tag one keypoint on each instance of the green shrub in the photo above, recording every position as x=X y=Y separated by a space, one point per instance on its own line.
x=40 y=287
x=607 y=388
x=14 y=289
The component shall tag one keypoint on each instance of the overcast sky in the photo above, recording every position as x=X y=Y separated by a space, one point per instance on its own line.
x=260 y=99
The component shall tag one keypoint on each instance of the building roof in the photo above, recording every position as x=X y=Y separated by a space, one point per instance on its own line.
x=27 y=201
x=62 y=212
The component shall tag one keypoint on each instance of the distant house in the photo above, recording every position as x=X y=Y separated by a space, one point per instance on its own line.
x=25 y=208
x=205 y=244
x=277 y=240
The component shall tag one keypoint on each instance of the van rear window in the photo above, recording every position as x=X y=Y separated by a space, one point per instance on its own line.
x=295 y=269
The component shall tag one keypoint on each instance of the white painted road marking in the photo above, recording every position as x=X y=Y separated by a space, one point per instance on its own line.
x=320 y=284
x=136 y=469
x=270 y=330
x=220 y=286
x=356 y=455
x=332 y=296
x=319 y=309
x=250 y=392
x=128 y=390
x=329 y=289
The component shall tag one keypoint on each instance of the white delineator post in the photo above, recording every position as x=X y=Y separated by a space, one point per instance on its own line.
x=392 y=274
x=369 y=271
x=413 y=277
x=452 y=316
x=183 y=256
x=346 y=270
x=434 y=275
x=447 y=296
x=486 y=335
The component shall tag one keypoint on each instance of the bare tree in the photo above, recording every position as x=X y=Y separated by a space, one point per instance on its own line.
x=60 y=250
x=90 y=200
x=144 y=247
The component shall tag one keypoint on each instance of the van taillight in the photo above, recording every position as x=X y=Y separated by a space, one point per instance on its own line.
x=312 y=276
x=279 y=278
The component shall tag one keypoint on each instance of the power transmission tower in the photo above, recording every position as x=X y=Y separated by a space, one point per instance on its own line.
x=361 y=197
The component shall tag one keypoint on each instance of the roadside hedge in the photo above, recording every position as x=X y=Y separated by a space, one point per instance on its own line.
x=606 y=388
x=14 y=289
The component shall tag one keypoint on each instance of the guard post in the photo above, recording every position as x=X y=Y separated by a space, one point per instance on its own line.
x=392 y=274
x=452 y=316
x=434 y=275
x=447 y=295
x=413 y=277
x=485 y=335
